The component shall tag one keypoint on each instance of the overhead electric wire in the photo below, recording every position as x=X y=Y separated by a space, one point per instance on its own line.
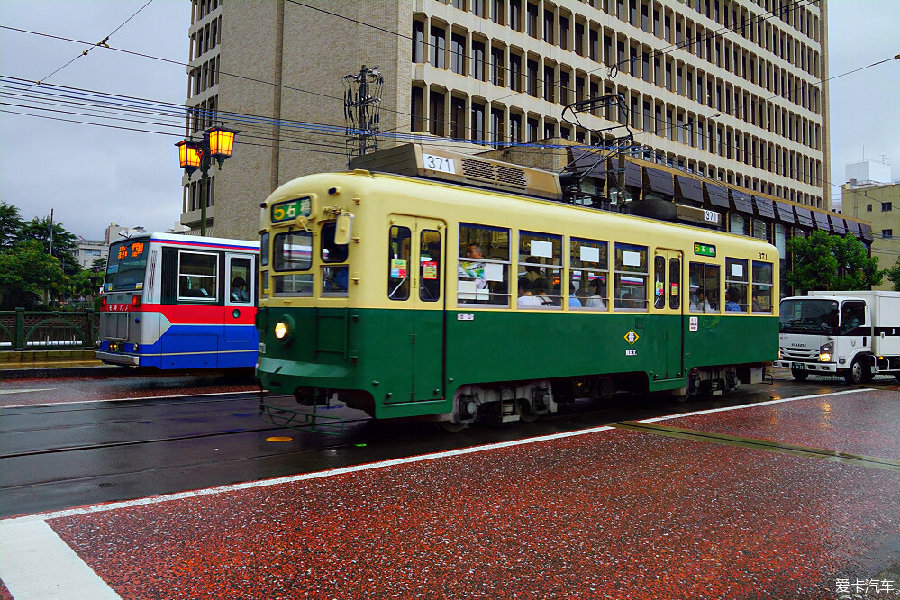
x=101 y=43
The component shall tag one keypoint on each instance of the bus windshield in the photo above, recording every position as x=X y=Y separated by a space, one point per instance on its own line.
x=126 y=265
x=809 y=316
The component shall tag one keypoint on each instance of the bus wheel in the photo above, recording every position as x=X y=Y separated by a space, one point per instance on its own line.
x=856 y=372
x=800 y=375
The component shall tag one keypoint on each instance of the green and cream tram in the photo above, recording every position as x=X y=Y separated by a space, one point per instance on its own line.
x=405 y=296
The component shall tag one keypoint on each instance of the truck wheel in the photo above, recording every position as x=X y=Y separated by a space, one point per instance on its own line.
x=856 y=372
x=799 y=375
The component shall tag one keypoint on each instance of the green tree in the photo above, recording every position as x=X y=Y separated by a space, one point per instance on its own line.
x=10 y=225
x=65 y=243
x=26 y=273
x=99 y=265
x=831 y=262
x=893 y=274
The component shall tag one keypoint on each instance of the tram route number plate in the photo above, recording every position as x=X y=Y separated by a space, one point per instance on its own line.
x=438 y=163
x=465 y=317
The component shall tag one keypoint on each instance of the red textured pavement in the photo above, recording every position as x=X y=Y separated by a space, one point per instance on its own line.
x=865 y=423
x=610 y=514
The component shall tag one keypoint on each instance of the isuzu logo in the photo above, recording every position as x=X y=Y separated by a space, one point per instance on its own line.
x=798 y=345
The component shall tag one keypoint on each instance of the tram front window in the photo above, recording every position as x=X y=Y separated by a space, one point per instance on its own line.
x=126 y=265
x=292 y=251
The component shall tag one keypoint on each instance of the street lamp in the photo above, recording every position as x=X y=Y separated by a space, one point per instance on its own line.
x=192 y=155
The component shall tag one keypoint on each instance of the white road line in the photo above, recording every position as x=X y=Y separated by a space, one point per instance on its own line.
x=25 y=391
x=727 y=408
x=36 y=564
x=163 y=397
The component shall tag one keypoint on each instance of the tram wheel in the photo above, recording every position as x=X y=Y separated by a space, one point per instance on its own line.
x=526 y=412
x=799 y=375
x=451 y=427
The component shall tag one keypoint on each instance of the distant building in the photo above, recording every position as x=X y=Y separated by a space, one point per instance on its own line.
x=868 y=172
x=90 y=250
x=115 y=232
x=731 y=90
x=880 y=205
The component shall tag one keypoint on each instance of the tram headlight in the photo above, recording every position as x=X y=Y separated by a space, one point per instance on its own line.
x=284 y=329
x=825 y=352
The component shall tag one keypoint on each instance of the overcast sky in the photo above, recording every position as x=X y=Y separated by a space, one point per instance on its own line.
x=92 y=175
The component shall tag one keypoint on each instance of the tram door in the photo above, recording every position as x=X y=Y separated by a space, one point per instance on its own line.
x=240 y=293
x=416 y=249
x=668 y=303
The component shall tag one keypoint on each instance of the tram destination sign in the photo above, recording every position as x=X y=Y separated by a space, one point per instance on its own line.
x=704 y=249
x=291 y=209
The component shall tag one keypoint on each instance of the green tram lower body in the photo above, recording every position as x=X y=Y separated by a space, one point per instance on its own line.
x=461 y=365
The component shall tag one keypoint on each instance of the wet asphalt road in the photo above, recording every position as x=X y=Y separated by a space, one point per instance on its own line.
x=68 y=442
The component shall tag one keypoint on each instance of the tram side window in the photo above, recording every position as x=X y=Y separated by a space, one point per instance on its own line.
x=588 y=274
x=540 y=269
x=674 y=283
x=399 y=247
x=292 y=251
x=430 y=252
x=335 y=278
x=483 y=265
x=737 y=283
x=659 y=282
x=263 y=261
x=704 y=287
x=630 y=277
x=240 y=281
x=762 y=286
x=197 y=272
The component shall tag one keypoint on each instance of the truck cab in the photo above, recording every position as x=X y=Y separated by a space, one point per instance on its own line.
x=852 y=334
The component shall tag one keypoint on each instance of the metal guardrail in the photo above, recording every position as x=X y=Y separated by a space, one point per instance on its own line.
x=37 y=330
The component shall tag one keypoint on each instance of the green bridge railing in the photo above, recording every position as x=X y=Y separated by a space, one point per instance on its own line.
x=37 y=330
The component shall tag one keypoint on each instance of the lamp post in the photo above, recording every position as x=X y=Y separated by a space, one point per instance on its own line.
x=217 y=143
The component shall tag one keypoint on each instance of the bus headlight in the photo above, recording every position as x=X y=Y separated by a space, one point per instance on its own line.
x=281 y=330
x=825 y=352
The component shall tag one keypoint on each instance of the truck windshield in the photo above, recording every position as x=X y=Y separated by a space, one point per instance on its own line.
x=809 y=316
x=126 y=265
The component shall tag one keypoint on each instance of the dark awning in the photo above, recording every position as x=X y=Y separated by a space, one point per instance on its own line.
x=632 y=174
x=785 y=212
x=837 y=223
x=718 y=196
x=804 y=216
x=741 y=202
x=660 y=182
x=588 y=161
x=822 y=221
x=853 y=227
x=690 y=188
x=865 y=231
x=764 y=207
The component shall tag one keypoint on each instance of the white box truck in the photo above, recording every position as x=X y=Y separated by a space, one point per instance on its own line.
x=853 y=334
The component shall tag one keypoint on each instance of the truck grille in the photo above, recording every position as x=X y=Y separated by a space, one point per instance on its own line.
x=799 y=354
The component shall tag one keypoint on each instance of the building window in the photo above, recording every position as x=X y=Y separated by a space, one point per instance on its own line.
x=457 y=54
x=477 y=122
x=437 y=47
x=478 y=62
x=886 y=206
x=887 y=234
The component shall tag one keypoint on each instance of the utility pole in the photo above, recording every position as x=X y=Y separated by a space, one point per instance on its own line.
x=361 y=101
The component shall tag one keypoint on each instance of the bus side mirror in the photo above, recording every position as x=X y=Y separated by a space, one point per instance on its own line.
x=343 y=229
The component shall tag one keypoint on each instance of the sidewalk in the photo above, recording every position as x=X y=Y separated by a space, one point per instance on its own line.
x=50 y=363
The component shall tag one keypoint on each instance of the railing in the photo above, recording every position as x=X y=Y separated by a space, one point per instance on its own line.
x=36 y=330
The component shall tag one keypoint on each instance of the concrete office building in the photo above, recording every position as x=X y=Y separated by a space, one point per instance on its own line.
x=880 y=205
x=726 y=89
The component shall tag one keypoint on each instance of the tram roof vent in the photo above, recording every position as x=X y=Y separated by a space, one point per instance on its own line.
x=416 y=160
